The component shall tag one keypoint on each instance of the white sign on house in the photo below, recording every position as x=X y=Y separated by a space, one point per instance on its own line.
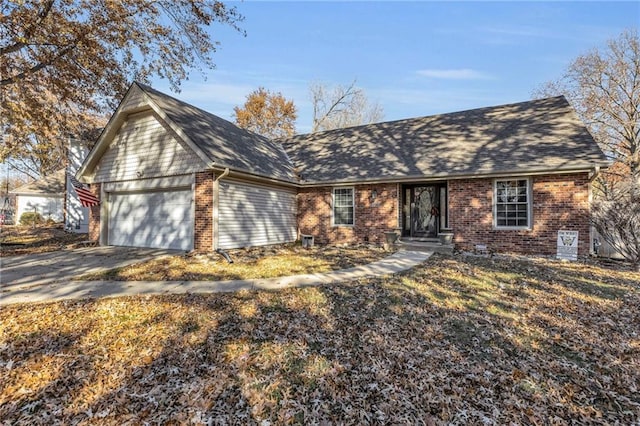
x=567 y=245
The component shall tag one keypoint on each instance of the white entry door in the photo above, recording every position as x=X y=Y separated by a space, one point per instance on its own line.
x=159 y=219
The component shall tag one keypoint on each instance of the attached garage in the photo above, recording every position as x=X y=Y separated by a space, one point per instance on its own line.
x=156 y=219
x=252 y=215
x=170 y=175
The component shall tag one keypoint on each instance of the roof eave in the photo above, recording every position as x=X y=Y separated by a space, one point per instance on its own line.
x=116 y=120
x=240 y=173
x=120 y=115
x=206 y=160
x=39 y=194
x=449 y=176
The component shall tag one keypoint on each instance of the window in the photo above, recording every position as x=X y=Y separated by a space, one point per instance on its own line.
x=512 y=203
x=343 y=206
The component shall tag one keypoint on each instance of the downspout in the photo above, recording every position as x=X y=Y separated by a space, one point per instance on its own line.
x=226 y=173
x=216 y=216
x=596 y=173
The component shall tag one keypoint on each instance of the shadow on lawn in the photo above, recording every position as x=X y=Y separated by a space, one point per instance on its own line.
x=457 y=340
x=44 y=367
x=600 y=280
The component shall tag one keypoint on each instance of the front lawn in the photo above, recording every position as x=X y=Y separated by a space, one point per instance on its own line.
x=455 y=341
x=256 y=262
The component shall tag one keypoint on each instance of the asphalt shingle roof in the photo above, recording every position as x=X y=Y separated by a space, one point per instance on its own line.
x=535 y=136
x=53 y=184
x=226 y=144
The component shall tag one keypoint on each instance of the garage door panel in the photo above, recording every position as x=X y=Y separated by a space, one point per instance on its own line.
x=251 y=215
x=151 y=219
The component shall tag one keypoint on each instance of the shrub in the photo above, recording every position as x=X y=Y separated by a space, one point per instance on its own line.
x=31 y=218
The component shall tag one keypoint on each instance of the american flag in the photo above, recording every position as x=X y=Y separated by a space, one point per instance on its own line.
x=87 y=199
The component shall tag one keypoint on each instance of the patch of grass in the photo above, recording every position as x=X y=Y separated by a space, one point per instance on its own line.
x=454 y=341
x=258 y=262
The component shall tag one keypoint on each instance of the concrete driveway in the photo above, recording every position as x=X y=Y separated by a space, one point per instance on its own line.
x=19 y=272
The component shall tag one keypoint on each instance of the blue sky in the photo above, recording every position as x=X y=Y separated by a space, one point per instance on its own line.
x=414 y=58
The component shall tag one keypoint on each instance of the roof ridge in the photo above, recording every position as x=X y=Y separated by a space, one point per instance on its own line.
x=534 y=135
x=263 y=154
x=146 y=88
x=401 y=120
x=50 y=178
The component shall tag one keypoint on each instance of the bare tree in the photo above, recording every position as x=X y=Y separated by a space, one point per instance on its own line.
x=342 y=106
x=604 y=87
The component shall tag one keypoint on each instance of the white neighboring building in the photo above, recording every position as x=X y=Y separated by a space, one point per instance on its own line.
x=77 y=216
x=45 y=196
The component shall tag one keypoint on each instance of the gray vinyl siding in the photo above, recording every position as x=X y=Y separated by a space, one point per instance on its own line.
x=144 y=148
x=251 y=215
x=136 y=99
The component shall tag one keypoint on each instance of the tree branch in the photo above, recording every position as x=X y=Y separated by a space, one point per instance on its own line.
x=28 y=32
x=17 y=77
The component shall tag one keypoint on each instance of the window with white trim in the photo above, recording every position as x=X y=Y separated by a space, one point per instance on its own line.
x=512 y=206
x=343 y=206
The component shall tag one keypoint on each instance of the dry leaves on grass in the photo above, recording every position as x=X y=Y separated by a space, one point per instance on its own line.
x=455 y=341
x=256 y=262
x=19 y=240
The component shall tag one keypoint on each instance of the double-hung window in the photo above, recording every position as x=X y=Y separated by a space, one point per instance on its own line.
x=512 y=206
x=343 y=206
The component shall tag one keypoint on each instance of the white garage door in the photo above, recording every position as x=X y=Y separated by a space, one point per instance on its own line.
x=151 y=219
x=253 y=215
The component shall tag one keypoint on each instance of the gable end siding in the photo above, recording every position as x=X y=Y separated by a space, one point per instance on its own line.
x=135 y=100
x=144 y=148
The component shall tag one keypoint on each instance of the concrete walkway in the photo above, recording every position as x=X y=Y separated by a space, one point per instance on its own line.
x=397 y=262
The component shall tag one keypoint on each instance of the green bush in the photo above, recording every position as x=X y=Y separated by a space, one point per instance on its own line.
x=31 y=218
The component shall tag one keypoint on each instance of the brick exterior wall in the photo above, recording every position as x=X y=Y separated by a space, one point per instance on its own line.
x=94 y=214
x=559 y=202
x=203 y=225
x=372 y=217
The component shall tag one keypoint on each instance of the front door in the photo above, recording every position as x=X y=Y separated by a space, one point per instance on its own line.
x=422 y=211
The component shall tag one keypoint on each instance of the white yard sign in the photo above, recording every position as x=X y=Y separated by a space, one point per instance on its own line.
x=567 y=245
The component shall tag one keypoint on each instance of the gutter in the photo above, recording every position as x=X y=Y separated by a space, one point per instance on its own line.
x=448 y=177
x=246 y=174
x=241 y=174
